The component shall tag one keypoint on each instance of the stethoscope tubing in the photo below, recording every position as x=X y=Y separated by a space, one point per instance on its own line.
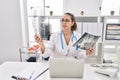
x=73 y=37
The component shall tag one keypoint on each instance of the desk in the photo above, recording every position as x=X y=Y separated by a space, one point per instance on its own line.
x=7 y=69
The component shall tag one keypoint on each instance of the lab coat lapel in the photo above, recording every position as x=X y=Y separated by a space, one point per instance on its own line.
x=64 y=42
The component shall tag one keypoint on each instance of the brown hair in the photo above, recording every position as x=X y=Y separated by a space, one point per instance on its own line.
x=74 y=27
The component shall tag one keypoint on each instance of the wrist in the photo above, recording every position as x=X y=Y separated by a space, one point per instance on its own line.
x=42 y=49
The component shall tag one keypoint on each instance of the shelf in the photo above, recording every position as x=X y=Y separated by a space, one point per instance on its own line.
x=50 y=17
x=114 y=34
x=78 y=18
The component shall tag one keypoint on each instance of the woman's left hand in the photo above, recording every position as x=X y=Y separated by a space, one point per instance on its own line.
x=89 y=51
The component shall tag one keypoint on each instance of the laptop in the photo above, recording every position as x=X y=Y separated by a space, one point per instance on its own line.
x=66 y=68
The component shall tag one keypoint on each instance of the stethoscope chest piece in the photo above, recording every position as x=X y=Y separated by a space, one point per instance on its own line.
x=65 y=52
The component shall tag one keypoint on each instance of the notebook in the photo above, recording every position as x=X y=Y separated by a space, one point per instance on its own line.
x=66 y=68
x=31 y=72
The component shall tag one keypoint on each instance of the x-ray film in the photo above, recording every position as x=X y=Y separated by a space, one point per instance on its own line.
x=86 y=41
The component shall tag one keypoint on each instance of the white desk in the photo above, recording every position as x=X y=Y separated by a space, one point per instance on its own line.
x=8 y=69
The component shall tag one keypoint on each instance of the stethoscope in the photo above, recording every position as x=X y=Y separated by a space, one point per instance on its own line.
x=73 y=38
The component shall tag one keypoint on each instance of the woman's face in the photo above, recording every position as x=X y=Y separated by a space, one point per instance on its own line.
x=66 y=22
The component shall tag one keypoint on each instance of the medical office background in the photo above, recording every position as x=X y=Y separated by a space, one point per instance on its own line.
x=21 y=19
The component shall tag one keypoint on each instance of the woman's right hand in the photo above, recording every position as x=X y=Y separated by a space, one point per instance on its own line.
x=40 y=42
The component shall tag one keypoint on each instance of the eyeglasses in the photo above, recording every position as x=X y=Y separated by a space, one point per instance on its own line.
x=65 y=20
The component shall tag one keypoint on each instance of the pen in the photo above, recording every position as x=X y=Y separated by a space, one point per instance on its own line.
x=40 y=74
x=31 y=74
x=14 y=77
x=19 y=78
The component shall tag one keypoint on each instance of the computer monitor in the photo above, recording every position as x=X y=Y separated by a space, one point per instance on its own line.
x=112 y=32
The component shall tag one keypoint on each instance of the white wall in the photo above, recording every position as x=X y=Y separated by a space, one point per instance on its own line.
x=10 y=30
x=90 y=7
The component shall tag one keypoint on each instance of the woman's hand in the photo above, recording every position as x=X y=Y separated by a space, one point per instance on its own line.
x=89 y=51
x=40 y=42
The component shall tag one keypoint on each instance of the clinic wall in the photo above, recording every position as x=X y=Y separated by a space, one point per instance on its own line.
x=10 y=30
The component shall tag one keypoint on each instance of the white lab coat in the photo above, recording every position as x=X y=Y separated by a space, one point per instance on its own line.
x=54 y=47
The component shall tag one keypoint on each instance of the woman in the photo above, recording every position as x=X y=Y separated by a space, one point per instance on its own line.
x=61 y=43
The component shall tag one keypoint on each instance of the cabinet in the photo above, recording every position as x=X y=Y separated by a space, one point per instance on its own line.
x=91 y=24
x=90 y=7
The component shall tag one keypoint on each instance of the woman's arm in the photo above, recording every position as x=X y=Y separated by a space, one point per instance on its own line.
x=40 y=42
